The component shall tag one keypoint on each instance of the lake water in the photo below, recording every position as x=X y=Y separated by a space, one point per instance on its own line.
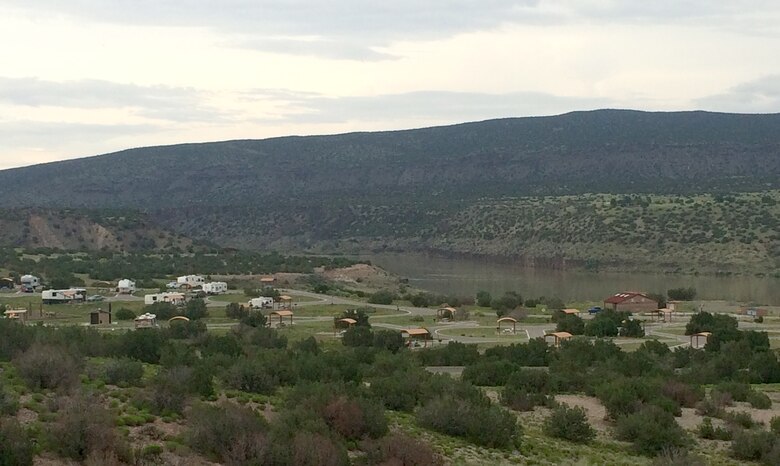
x=465 y=277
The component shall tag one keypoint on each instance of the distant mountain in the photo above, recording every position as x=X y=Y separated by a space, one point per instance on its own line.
x=374 y=188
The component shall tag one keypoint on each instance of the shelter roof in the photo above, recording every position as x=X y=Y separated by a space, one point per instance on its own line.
x=282 y=313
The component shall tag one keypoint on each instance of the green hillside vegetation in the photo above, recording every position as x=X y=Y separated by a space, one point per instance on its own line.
x=517 y=187
x=182 y=394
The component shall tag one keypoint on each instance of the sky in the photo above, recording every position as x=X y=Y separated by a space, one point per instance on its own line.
x=86 y=77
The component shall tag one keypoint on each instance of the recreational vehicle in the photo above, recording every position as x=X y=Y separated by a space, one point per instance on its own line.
x=215 y=288
x=63 y=296
x=172 y=298
x=30 y=283
x=125 y=286
x=262 y=302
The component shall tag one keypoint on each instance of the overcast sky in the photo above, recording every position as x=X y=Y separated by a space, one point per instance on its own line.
x=84 y=77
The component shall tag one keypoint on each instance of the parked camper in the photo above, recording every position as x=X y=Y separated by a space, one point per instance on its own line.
x=145 y=321
x=262 y=302
x=125 y=286
x=215 y=288
x=30 y=283
x=63 y=296
x=173 y=298
x=191 y=280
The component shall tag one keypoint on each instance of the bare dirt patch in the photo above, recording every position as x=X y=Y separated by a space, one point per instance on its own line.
x=360 y=273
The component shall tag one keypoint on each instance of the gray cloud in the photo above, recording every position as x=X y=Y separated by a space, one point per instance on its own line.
x=160 y=102
x=352 y=29
x=424 y=105
x=758 y=96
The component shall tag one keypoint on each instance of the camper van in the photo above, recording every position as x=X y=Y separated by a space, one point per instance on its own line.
x=29 y=283
x=172 y=298
x=215 y=288
x=262 y=302
x=190 y=281
x=125 y=286
x=63 y=296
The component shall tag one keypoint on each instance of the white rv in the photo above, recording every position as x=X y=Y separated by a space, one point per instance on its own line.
x=30 y=283
x=125 y=286
x=63 y=296
x=262 y=302
x=191 y=280
x=215 y=288
x=172 y=298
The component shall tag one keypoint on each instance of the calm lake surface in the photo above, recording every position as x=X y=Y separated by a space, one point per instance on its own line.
x=467 y=276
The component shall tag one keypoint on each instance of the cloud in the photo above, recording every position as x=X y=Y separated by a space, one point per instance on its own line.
x=158 y=102
x=758 y=96
x=54 y=133
x=353 y=29
x=425 y=106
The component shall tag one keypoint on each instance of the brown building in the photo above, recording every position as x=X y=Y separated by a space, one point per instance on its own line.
x=631 y=301
x=99 y=317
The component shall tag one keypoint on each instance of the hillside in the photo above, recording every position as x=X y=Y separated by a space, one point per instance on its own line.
x=512 y=187
x=72 y=230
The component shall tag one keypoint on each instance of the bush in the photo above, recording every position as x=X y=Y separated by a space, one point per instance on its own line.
x=401 y=449
x=774 y=424
x=251 y=375
x=355 y=419
x=483 y=299
x=124 y=314
x=682 y=294
x=9 y=404
x=480 y=423
x=759 y=400
x=488 y=373
x=382 y=297
x=751 y=445
x=196 y=309
x=236 y=311
x=47 y=367
x=84 y=427
x=707 y=431
x=124 y=371
x=569 y=424
x=312 y=449
x=652 y=431
x=740 y=418
x=16 y=448
x=570 y=323
x=229 y=433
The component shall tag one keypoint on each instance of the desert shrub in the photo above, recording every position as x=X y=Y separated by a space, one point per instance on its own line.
x=47 y=367
x=453 y=354
x=682 y=294
x=774 y=424
x=388 y=340
x=651 y=430
x=264 y=337
x=382 y=297
x=229 y=433
x=313 y=449
x=144 y=345
x=739 y=391
x=488 y=373
x=16 y=448
x=400 y=390
x=740 y=418
x=632 y=328
x=401 y=449
x=569 y=424
x=9 y=403
x=707 y=407
x=707 y=430
x=358 y=336
x=170 y=389
x=84 y=427
x=124 y=313
x=251 y=375
x=355 y=418
x=124 y=371
x=681 y=393
x=752 y=445
x=678 y=457
x=480 y=423
x=759 y=400
x=571 y=323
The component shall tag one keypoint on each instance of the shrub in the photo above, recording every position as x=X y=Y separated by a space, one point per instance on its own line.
x=311 y=449
x=774 y=424
x=84 y=427
x=382 y=297
x=127 y=371
x=389 y=340
x=682 y=294
x=652 y=431
x=480 y=423
x=47 y=367
x=236 y=311
x=355 y=418
x=569 y=424
x=488 y=373
x=759 y=400
x=124 y=313
x=707 y=431
x=683 y=394
x=740 y=418
x=570 y=323
x=401 y=449
x=9 y=404
x=196 y=309
x=251 y=375
x=228 y=432
x=16 y=448
x=751 y=445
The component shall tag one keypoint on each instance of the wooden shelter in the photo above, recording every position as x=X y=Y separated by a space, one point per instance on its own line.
x=343 y=323
x=446 y=312
x=281 y=314
x=416 y=334
x=664 y=314
x=178 y=318
x=7 y=283
x=506 y=319
x=696 y=339
x=267 y=280
x=556 y=338
x=285 y=301
x=573 y=312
